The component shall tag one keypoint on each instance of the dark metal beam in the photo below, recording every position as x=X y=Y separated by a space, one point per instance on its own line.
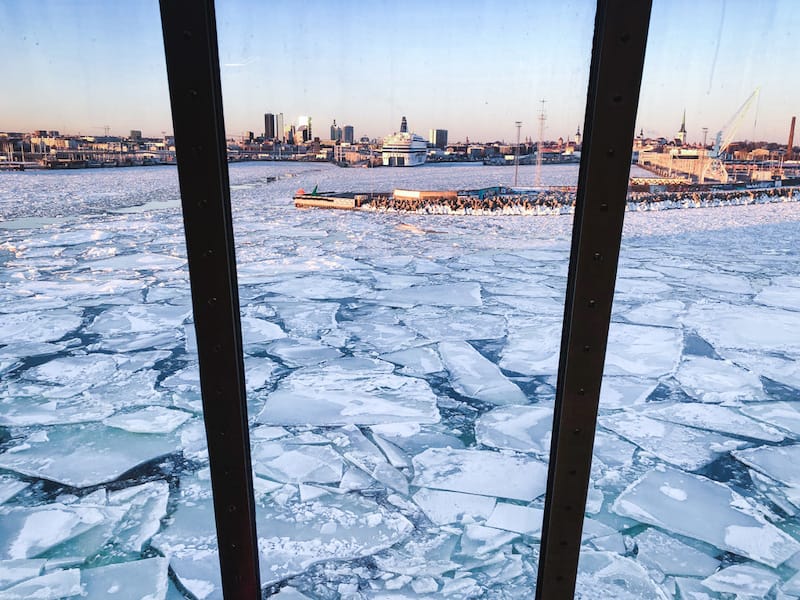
x=615 y=76
x=190 y=44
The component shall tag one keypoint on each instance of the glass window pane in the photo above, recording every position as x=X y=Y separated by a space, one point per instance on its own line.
x=692 y=475
x=402 y=357
x=103 y=480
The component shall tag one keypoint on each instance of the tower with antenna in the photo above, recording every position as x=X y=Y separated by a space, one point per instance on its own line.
x=540 y=146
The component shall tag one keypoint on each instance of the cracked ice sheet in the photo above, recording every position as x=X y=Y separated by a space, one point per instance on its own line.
x=782 y=370
x=50 y=586
x=705 y=510
x=781 y=463
x=349 y=392
x=783 y=415
x=86 y=455
x=746 y=327
x=714 y=418
x=746 y=581
x=39 y=327
x=670 y=556
x=642 y=351
x=608 y=575
x=293 y=536
x=684 y=447
x=710 y=380
x=144 y=579
x=10 y=487
x=446 y=294
x=474 y=376
x=454 y=324
x=480 y=472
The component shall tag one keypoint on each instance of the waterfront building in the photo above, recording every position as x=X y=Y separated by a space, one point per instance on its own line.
x=578 y=136
x=136 y=134
x=349 y=134
x=269 y=126
x=438 y=138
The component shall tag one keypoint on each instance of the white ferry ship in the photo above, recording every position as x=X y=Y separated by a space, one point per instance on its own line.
x=404 y=149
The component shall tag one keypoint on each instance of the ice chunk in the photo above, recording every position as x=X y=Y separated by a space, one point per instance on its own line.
x=85 y=456
x=363 y=454
x=258 y=372
x=746 y=327
x=39 y=327
x=692 y=589
x=125 y=328
x=416 y=361
x=681 y=446
x=447 y=294
x=608 y=575
x=145 y=579
x=642 y=351
x=478 y=541
x=621 y=392
x=715 y=418
x=782 y=293
x=145 y=506
x=480 y=472
x=12 y=571
x=383 y=337
x=318 y=287
x=474 y=376
x=782 y=370
x=23 y=410
x=522 y=428
x=702 y=509
x=443 y=507
x=257 y=332
x=663 y=312
x=455 y=324
x=785 y=415
x=532 y=349
x=395 y=456
x=303 y=353
x=743 y=580
x=289 y=593
x=50 y=586
x=77 y=373
x=150 y=419
x=285 y=462
x=781 y=463
x=711 y=380
x=307 y=319
x=520 y=519
x=10 y=487
x=339 y=395
x=670 y=556
x=143 y=261
x=29 y=532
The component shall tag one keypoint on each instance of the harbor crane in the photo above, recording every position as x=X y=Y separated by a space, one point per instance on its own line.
x=715 y=168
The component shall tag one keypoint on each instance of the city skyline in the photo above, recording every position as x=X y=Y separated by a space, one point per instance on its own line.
x=82 y=66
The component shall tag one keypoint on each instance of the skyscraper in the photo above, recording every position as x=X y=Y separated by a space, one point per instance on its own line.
x=438 y=138
x=269 y=126
x=349 y=134
x=336 y=132
x=280 y=131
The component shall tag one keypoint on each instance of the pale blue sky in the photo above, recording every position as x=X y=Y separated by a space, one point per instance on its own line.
x=472 y=67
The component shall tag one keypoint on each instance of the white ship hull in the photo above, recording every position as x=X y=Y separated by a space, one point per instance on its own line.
x=404 y=150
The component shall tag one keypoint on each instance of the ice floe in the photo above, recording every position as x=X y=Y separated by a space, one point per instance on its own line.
x=474 y=376
x=336 y=394
x=521 y=428
x=711 y=380
x=705 y=510
x=480 y=472
x=721 y=419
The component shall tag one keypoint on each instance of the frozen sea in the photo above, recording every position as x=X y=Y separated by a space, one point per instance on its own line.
x=400 y=373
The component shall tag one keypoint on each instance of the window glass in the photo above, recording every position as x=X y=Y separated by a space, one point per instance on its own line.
x=103 y=469
x=403 y=355
x=692 y=490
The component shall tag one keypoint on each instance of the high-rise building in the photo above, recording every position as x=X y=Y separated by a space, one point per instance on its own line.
x=269 y=126
x=304 y=126
x=438 y=138
x=349 y=134
x=280 y=131
x=336 y=132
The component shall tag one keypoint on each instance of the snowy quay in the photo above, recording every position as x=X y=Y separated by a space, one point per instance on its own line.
x=500 y=200
x=400 y=383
